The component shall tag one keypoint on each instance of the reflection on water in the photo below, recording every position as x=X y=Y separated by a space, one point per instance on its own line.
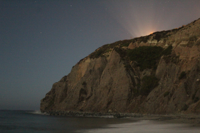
x=145 y=127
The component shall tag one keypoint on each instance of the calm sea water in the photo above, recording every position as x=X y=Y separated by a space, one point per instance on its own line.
x=34 y=122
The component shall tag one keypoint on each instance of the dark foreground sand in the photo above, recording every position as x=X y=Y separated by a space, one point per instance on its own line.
x=191 y=119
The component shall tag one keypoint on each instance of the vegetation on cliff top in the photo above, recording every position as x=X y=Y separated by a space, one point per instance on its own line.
x=125 y=43
x=107 y=47
x=148 y=56
x=145 y=56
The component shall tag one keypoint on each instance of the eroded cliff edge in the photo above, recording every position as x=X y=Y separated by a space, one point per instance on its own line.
x=158 y=73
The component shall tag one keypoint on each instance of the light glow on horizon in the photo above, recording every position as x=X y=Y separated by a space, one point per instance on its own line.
x=140 y=18
x=135 y=23
x=151 y=33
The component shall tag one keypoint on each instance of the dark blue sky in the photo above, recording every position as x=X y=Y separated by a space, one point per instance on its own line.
x=40 y=40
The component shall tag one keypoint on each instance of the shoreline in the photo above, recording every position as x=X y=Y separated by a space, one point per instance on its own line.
x=191 y=119
x=93 y=114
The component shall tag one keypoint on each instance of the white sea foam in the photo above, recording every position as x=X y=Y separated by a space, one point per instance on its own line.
x=145 y=126
x=37 y=112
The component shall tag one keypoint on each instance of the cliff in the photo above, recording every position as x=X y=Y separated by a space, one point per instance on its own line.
x=158 y=73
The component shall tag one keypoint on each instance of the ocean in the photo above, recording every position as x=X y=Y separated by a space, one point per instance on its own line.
x=35 y=122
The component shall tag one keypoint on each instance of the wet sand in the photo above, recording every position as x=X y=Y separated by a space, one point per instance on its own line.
x=191 y=119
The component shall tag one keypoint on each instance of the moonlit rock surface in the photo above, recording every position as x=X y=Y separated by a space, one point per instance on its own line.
x=109 y=80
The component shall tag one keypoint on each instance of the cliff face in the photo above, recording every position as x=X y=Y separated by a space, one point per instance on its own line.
x=159 y=73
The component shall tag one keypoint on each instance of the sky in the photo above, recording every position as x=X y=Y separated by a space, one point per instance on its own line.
x=41 y=40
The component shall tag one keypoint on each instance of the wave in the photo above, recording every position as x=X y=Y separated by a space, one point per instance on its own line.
x=37 y=112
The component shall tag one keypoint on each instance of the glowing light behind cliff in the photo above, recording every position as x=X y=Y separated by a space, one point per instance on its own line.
x=137 y=23
x=140 y=18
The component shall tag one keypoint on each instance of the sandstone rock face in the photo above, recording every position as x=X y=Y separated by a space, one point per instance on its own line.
x=107 y=80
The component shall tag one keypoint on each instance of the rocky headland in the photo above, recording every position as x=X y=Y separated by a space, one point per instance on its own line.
x=154 y=74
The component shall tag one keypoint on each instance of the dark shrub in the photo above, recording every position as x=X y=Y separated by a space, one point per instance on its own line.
x=198 y=43
x=175 y=59
x=166 y=93
x=120 y=51
x=193 y=38
x=84 y=83
x=185 y=107
x=167 y=51
x=125 y=44
x=107 y=47
x=144 y=39
x=97 y=53
x=145 y=56
x=159 y=35
x=196 y=99
x=182 y=75
x=148 y=84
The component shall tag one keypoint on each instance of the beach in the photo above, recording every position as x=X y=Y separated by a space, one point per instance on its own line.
x=82 y=122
